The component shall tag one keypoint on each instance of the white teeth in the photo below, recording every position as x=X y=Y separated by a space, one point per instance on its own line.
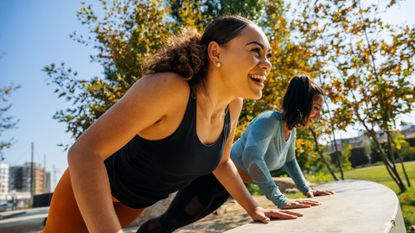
x=258 y=77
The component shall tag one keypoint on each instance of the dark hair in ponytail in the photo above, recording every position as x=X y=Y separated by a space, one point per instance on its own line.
x=298 y=100
x=186 y=54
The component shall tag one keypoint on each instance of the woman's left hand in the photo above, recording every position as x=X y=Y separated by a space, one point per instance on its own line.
x=264 y=215
x=315 y=193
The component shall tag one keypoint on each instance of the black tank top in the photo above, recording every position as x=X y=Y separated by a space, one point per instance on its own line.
x=143 y=171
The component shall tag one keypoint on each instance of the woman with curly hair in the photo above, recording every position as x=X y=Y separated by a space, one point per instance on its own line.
x=172 y=126
x=267 y=144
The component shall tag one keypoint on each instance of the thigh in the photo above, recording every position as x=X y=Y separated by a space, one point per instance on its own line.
x=64 y=215
x=125 y=214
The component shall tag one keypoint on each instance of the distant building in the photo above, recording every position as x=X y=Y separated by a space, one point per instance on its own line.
x=360 y=151
x=16 y=179
x=47 y=183
x=20 y=178
x=355 y=142
x=359 y=141
x=408 y=131
x=4 y=181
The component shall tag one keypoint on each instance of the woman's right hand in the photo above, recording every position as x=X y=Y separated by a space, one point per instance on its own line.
x=265 y=215
x=298 y=204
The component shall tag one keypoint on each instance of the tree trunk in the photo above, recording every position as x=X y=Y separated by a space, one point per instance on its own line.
x=400 y=161
x=404 y=170
x=322 y=156
x=339 y=156
x=389 y=166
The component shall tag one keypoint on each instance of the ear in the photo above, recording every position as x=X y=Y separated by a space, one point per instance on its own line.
x=214 y=52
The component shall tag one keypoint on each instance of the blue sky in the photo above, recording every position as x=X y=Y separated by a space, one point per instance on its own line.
x=34 y=34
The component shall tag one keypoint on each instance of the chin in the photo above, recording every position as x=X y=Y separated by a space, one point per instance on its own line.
x=255 y=96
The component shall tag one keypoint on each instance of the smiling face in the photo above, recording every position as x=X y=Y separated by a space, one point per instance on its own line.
x=315 y=110
x=245 y=63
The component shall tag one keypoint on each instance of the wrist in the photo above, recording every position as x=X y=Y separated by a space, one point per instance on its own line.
x=251 y=207
x=281 y=202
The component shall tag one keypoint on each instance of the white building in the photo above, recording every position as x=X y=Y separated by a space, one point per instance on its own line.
x=4 y=181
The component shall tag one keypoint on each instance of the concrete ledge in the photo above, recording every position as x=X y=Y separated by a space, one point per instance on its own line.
x=11 y=214
x=357 y=207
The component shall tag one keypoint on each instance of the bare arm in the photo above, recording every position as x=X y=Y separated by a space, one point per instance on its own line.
x=227 y=173
x=229 y=177
x=148 y=101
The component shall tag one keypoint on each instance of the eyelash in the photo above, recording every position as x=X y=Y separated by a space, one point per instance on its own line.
x=258 y=52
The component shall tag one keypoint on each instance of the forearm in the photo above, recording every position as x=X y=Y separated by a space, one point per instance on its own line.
x=93 y=194
x=294 y=171
x=257 y=169
x=273 y=193
x=229 y=177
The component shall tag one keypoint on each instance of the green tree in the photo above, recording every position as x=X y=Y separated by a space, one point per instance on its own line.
x=6 y=122
x=124 y=34
x=368 y=64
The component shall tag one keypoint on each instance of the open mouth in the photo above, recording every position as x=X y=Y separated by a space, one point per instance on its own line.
x=258 y=79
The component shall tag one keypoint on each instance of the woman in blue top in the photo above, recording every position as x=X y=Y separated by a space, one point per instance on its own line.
x=267 y=144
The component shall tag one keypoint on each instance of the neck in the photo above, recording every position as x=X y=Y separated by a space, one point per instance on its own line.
x=286 y=130
x=211 y=95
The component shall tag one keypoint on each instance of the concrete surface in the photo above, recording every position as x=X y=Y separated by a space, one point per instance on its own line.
x=357 y=207
x=28 y=220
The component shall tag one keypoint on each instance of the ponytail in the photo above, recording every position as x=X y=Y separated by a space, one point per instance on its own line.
x=298 y=100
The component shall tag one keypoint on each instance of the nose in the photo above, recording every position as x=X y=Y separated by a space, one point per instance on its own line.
x=266 y=65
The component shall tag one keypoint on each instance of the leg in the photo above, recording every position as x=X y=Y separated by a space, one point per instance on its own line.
x=200 y=198
x=65 y=217
x=125 y=214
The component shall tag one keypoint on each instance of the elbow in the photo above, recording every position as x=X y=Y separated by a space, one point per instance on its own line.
x=79 y=156
x=72 y=156
x=247 y=159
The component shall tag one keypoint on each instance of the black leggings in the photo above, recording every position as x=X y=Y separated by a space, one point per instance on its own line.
x=203 y=196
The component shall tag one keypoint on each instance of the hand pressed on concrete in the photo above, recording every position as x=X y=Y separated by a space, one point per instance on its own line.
x=264 y=215
x=315 y=193
x=298 y=204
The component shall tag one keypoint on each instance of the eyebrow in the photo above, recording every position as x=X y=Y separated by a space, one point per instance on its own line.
x=256 y=42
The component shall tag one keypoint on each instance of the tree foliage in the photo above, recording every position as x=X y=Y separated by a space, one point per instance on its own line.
x=7 y=122
x=368 y=67
x=364 y=65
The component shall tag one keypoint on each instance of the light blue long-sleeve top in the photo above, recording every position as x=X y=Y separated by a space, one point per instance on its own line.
x=262 y=148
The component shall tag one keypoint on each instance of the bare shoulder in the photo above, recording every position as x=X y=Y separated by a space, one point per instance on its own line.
x=147 y=102
x=168 y=86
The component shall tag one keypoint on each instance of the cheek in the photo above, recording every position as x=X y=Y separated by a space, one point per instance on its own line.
x=242 y=60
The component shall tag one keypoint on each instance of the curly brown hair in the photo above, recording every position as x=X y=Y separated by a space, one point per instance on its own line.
x=186 y=54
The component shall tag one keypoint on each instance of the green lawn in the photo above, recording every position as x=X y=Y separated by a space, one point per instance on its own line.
x=379 y=174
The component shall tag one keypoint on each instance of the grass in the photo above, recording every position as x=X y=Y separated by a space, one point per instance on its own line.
x=376 y=174
x=379 y=175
